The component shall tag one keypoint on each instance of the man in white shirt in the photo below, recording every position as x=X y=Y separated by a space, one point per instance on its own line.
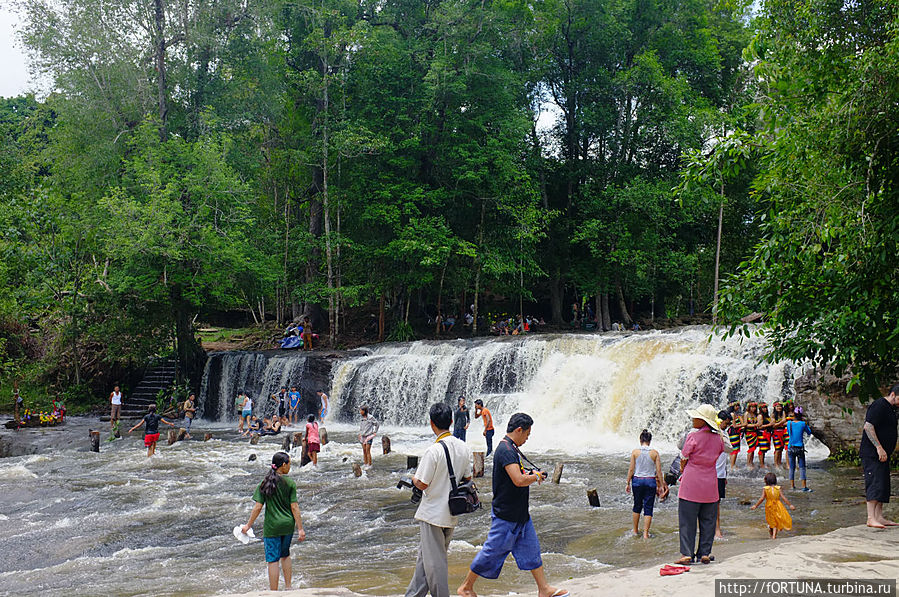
x=433 y=514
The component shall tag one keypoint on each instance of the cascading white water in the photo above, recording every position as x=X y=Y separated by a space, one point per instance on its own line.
x=596 y=390
x=260 y=375
x=583 y=390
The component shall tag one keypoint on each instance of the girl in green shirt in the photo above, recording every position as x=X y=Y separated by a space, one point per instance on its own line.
x=278 y=494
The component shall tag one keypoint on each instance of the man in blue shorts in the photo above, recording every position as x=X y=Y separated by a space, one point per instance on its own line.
x=511 y=529
x=294 y=405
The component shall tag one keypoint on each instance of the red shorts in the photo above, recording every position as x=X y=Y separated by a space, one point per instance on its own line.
x=150 y=439
x=314 y=447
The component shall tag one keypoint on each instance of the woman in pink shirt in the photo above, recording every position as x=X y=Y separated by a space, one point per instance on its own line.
x=313 y=441
x=698 y=493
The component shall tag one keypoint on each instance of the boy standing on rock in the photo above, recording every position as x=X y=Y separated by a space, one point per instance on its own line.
x=190 y=410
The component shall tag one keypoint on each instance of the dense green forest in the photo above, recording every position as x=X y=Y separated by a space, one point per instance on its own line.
x=374 y=163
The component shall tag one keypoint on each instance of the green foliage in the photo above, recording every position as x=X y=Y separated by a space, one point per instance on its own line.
x=401 y=332
x=332 y=154
x=825 y=270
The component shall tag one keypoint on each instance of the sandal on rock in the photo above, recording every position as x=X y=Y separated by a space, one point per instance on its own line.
x=684 y=561
x=705 y=560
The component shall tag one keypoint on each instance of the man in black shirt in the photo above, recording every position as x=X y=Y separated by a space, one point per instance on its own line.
x=878 y=442
x=151 y=431
x=511 y=529
x=461 y=420
x=281 y=397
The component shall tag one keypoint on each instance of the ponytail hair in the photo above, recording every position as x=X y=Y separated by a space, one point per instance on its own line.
x=273 y=479
x=645 y=436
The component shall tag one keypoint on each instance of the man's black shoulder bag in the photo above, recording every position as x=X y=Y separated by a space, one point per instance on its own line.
x=463 y=497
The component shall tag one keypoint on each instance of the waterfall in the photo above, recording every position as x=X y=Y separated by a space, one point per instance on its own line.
x=581 y=389
x=260 y=374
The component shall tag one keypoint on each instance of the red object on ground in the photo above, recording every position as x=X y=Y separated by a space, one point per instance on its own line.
x=669 y=570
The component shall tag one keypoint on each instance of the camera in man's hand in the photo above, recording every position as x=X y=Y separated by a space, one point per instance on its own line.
x=416 y=492
x=536 y=471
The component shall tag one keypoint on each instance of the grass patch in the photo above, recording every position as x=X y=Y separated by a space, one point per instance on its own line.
x=212 y=334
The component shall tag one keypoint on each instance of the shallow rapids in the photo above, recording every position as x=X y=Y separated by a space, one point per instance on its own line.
x=115 y=523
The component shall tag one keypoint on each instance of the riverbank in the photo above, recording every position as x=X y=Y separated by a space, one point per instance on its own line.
x=855 y=552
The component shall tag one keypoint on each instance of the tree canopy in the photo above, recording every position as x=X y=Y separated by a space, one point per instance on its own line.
x=407 y=158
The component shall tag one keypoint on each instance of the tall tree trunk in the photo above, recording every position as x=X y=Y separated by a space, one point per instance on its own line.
x=440 y=300
x=315 y=231
x=477 y=294
x=625 y=316
x=332 y=324
x=718 y=257
x=159 y=50
x=555 y=296
x=282 y=310
x=477 y=276
x=606 y=315
x=191 y=355
x=381 y=317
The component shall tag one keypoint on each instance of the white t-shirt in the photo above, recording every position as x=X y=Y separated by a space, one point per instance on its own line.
x=721 y=465
x=117 y=398
x=433 y=508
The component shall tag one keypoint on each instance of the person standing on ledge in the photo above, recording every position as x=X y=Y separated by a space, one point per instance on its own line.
x=511 y=528
x=878 y=442
x=323 y=410
x=190 y=411
x=433 y=515
x=307 y=334
x=461 y=420
x=115 y=401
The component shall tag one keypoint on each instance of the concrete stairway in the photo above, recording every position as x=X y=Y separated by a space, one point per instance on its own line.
x=159 y=376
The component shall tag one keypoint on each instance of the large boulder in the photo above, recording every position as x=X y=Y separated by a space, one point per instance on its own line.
x=835 y=416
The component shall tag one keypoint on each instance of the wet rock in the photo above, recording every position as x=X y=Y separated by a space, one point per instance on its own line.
x=477 y=467
x=251 y=458
x=835 y=416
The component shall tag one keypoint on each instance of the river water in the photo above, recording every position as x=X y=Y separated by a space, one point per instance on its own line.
x=117 y=523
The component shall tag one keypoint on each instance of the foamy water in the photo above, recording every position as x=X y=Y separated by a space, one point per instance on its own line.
x=116 y=523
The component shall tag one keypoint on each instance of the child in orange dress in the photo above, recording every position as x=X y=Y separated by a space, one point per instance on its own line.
x=776 y=515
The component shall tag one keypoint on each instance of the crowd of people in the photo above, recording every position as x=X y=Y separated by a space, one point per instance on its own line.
x=706 y=453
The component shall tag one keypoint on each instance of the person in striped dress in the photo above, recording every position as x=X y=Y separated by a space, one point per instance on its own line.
x=734 y=431
x=750 y=432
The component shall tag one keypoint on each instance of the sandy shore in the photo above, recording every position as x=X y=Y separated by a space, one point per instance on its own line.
x=854 y=552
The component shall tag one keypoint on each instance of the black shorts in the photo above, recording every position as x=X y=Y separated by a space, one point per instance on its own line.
x=722 y=484
x=877 y=480
x=281 y=410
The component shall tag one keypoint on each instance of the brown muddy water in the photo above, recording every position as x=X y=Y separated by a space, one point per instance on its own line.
x=115 y=523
